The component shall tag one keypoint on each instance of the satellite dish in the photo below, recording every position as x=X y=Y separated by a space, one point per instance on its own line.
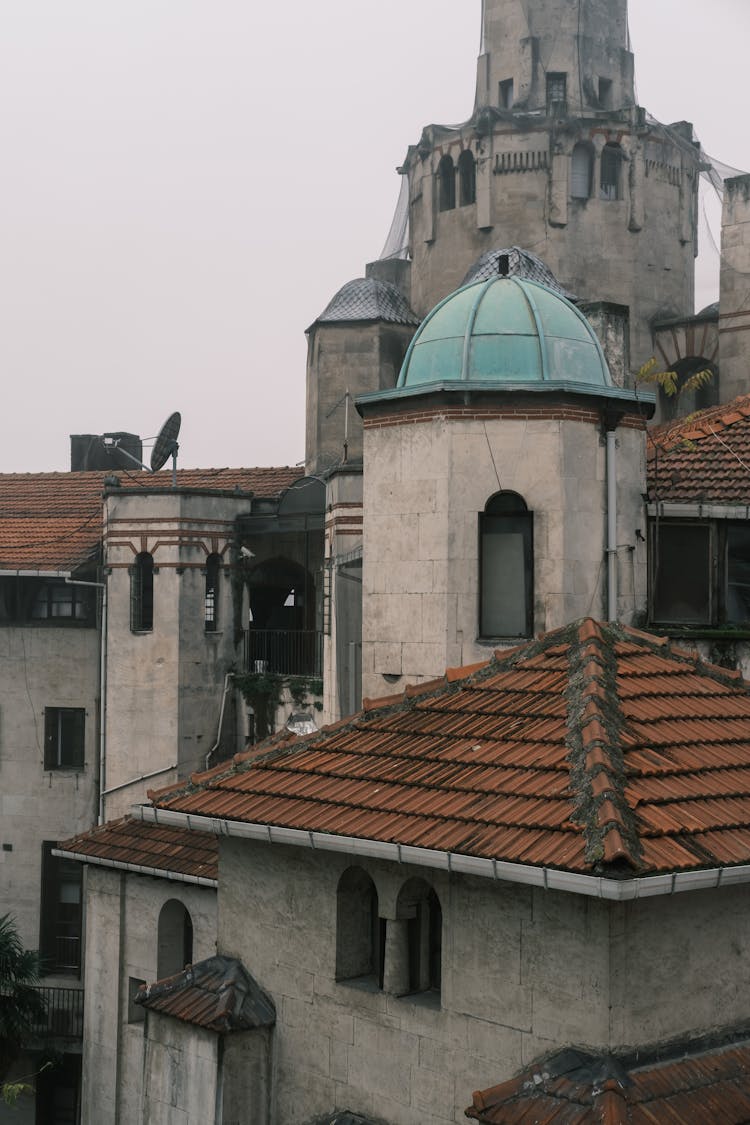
x=166 y=445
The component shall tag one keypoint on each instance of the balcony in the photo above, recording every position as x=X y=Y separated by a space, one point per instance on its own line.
x=284 y=652
x=63 y=1017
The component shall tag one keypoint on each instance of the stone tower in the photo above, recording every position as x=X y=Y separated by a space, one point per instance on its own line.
x=559 y=160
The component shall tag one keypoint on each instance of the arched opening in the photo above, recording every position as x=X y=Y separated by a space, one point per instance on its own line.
x=175 y=939
x=693 y=389
x=282 y=629
x=506 y=567
x=446 y=184
x=360 y=932
x=610 y=171
x=467 y=178
x=582 y=171
x=420 y=907
x=211 y=595
x=142 y=593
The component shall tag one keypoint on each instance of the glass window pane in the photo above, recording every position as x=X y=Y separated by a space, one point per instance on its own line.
x=682 y=574
x=504 y=577
x=738 y=574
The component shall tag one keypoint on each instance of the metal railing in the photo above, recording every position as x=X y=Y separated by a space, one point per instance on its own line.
x=284 y=652
x=63 y=1016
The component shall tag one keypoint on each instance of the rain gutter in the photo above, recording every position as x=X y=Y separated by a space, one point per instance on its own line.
x=547 y=878
x=138 y=868
x=35 y=573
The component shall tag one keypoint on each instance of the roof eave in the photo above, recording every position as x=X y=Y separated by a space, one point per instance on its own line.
x=137 y=868
x=548 y=878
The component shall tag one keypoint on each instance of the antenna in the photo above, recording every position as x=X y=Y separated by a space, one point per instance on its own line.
x=166 y=446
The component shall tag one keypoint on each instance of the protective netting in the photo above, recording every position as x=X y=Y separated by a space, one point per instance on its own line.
x=397 y=242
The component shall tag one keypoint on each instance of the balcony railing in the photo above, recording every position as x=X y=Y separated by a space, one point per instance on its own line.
x=63 y=1017
x=284 y=652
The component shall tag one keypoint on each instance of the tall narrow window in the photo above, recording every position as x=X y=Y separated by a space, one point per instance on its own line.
x=211 y=600
x=506 y=94
x=142 y=594
x=446 y=184
x=60 y=913
x=467 y=178
x=605 y=93
x=420 y=906
x=557 y=91
x=581 y=171
x=610 y=170
x=506 y=598
x=360 y=946
x=175 y=939
x=64 y=738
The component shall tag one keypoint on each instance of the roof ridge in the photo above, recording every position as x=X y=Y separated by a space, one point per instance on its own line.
x=595 y=721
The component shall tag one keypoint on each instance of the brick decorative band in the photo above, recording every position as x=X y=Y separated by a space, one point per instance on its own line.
x=531 y=413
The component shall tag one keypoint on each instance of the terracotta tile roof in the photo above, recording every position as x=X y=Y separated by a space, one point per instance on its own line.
x=218 y=994
x=129 y=843
x=573 y=1088
x=595 y=749
x=705 y=457
x=53 y=521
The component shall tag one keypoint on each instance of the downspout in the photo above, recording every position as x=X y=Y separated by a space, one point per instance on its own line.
x=229 y=676
x=611 y=525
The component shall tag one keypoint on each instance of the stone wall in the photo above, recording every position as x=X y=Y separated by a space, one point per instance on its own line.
x=734 y=321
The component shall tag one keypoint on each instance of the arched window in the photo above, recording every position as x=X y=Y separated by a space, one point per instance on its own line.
x=610 y=172
x=446 y=184
x=142 y=594
x=581 y=172
x=420 y=907
x=175 y=939
x=506 y=560
x=467 y=178
x=360 y=945
x=211 y=598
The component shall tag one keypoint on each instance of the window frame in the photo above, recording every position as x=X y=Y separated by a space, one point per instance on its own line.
x=54 y=738
x=212 y=589
x=556 y=89
x=54 y=927
x=717 y=577
x=142 y=593
x=611 y=157
x=446 y=177
x=520 y=519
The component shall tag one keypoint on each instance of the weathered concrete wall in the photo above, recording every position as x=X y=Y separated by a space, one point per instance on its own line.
x=425 y=486
x=180 y=1073
x=165 y=686
x=342 y=642
x=734 y=325
x=50 y=666
x=517 y=965
x=122 y=915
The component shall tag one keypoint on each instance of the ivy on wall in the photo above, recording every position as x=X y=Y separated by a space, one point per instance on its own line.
x=263 y=691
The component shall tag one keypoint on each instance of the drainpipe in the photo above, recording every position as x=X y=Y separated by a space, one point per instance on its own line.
x=611 y=525
x=229 y=676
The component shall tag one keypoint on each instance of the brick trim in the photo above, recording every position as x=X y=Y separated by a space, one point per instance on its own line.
x=553 y=413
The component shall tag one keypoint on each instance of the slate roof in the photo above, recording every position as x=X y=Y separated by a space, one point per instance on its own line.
x=53 y=521
x=367 y=298
x=218 y=994
x=573 y=1088
x=132 y=845
x=703 y=458
x=594 y=749
x=521 y=263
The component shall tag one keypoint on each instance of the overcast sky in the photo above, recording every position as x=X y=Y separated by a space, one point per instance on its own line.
x=186 y=183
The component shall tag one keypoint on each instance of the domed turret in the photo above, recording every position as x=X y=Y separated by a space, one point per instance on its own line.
x=507 y=331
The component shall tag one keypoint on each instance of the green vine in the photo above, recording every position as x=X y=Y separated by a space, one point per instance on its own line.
x=263 y=692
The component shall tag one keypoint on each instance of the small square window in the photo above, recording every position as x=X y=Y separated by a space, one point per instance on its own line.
x=64 y=729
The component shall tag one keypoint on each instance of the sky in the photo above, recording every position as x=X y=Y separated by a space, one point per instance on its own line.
x=185 y=184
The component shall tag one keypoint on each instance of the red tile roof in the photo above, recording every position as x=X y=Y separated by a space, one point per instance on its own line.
x=131 y=844
x=705 y=457
x=574 y=1089
x=595 y=749
x=218 y=994
x=53 y=521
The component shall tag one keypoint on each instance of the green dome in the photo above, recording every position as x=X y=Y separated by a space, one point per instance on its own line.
x=507 y=330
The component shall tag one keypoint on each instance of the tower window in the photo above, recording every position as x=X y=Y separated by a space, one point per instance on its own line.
x=446 y=184
x=360 y=945
x=605 y=93
x=467 y=178
x=174 y=939
x=506 y=580
x=142 y=594
x=581 y=172
x=211 y=598
x=420 y=907
x=557 y=90
x=609 y=175
x=505 y=98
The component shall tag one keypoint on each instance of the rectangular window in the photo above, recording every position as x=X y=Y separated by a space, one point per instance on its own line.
x=605 y=93
x=681 y=573
x=738 y=574
x=64 y=729
x=557 y=90
x=61 y=917
x=505 y=99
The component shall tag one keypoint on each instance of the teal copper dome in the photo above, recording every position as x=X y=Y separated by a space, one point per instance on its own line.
x=507 y=330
